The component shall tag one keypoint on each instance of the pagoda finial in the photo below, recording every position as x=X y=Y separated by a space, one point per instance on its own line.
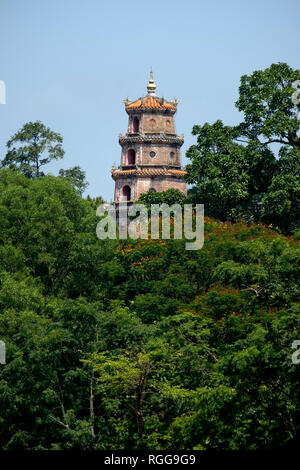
x=151 y=87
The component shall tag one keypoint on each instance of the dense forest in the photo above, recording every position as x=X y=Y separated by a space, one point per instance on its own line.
x=142 y=344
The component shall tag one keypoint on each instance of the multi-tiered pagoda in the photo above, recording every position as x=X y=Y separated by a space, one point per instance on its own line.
x=150 y=158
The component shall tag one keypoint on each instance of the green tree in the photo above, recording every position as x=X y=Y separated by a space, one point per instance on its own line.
x=53 y=227
x=236 y=170
x=170 y=196
x=141 y=344
x=95 y=201
x=270 y=114
x=228 y=176
x=75 y=176
x=32 y=147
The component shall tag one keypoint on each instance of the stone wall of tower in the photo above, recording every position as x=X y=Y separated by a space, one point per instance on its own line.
x=143 y=185
x=162 y=155
x=158 y=123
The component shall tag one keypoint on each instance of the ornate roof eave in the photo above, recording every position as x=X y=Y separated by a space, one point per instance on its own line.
x=144 y=138
x=148 y=172
x=150 y=110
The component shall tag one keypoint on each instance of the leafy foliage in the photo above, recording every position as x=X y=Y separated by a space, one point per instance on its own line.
x=235 y=169
x=170 y=196
x=32 y=147
x=76 y=176
x=140 y=344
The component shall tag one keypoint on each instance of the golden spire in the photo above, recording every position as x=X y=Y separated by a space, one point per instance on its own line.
x=151 y=87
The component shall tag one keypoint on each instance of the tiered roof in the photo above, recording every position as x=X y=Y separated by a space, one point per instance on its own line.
x=151 y=101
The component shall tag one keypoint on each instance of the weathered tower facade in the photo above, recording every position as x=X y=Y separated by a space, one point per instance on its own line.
x=150 y=156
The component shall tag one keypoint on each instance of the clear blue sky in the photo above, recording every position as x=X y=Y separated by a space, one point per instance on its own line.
x=70 y=64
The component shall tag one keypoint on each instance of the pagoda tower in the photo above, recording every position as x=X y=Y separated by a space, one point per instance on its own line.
x=150 y=156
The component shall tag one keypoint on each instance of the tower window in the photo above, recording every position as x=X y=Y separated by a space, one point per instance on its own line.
x=126 y=193
x=130 y=157
x=172 y=154
x=152 y=154
x=152 y=122
x=135 y=125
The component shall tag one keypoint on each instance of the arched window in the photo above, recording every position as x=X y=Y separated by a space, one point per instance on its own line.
x=135 y=125
x=126 y=192
x=152 y=190
x=131 y=157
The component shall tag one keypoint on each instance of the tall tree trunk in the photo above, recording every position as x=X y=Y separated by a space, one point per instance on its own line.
x=92 y=412
x=139 y=413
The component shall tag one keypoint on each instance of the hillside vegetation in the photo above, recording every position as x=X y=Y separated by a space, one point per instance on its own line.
x=142 y=344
